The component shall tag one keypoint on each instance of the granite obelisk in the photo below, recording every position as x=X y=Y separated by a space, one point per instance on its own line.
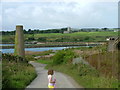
x=19 y=41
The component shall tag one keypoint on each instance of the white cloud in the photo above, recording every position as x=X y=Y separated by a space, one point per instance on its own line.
x=0 y=22
x=0 y=17
x=59 y=0
x=59 y=14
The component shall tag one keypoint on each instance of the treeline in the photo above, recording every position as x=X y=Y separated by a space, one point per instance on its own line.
x=35 y=31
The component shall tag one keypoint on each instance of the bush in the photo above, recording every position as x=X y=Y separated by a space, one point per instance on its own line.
x=69 y=55
x=58 y=58
x=63 y=56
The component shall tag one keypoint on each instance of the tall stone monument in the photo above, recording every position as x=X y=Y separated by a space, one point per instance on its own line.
x=19 y=41
x=113 y=44
x=69 y=29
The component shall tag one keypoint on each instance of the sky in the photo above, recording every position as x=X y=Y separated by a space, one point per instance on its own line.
x=48 y=14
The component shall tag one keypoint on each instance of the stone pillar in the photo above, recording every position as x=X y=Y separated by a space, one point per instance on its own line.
x=111 y=45
x=69 y=29
x=19 y=41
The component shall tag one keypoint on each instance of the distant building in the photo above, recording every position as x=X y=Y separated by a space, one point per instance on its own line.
x=116 y=29
x=69 y=30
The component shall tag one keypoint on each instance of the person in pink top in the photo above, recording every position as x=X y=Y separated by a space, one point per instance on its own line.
x=51 y=79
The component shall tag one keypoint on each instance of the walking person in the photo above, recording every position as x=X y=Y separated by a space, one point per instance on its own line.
x=51 y=80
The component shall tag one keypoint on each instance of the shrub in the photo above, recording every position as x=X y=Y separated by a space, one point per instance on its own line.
x=58 y=58
x=63 y=56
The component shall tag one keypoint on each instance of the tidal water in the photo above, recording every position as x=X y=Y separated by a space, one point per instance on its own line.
x=33 y=49
x=7 y=44
x=10 y=44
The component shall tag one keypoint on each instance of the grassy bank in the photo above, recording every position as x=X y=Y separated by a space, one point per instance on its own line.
x=16 y=72
x=84 y=74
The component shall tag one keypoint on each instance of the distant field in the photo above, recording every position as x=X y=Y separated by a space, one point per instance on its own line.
x=59 y=37
x=89 y=33
x=77 y=34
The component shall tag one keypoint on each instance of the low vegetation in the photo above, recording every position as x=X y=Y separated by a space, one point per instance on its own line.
x=63 y=57
x=16 y=72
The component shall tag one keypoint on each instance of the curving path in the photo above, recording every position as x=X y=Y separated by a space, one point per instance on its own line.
x=41 y=81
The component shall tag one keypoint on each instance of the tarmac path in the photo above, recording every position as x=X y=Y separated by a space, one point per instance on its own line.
x=41 y=81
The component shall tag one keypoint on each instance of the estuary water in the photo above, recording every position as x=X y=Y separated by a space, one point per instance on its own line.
x=33 y=49
x=10 y=44
x=30 y=49
x=7 y=44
